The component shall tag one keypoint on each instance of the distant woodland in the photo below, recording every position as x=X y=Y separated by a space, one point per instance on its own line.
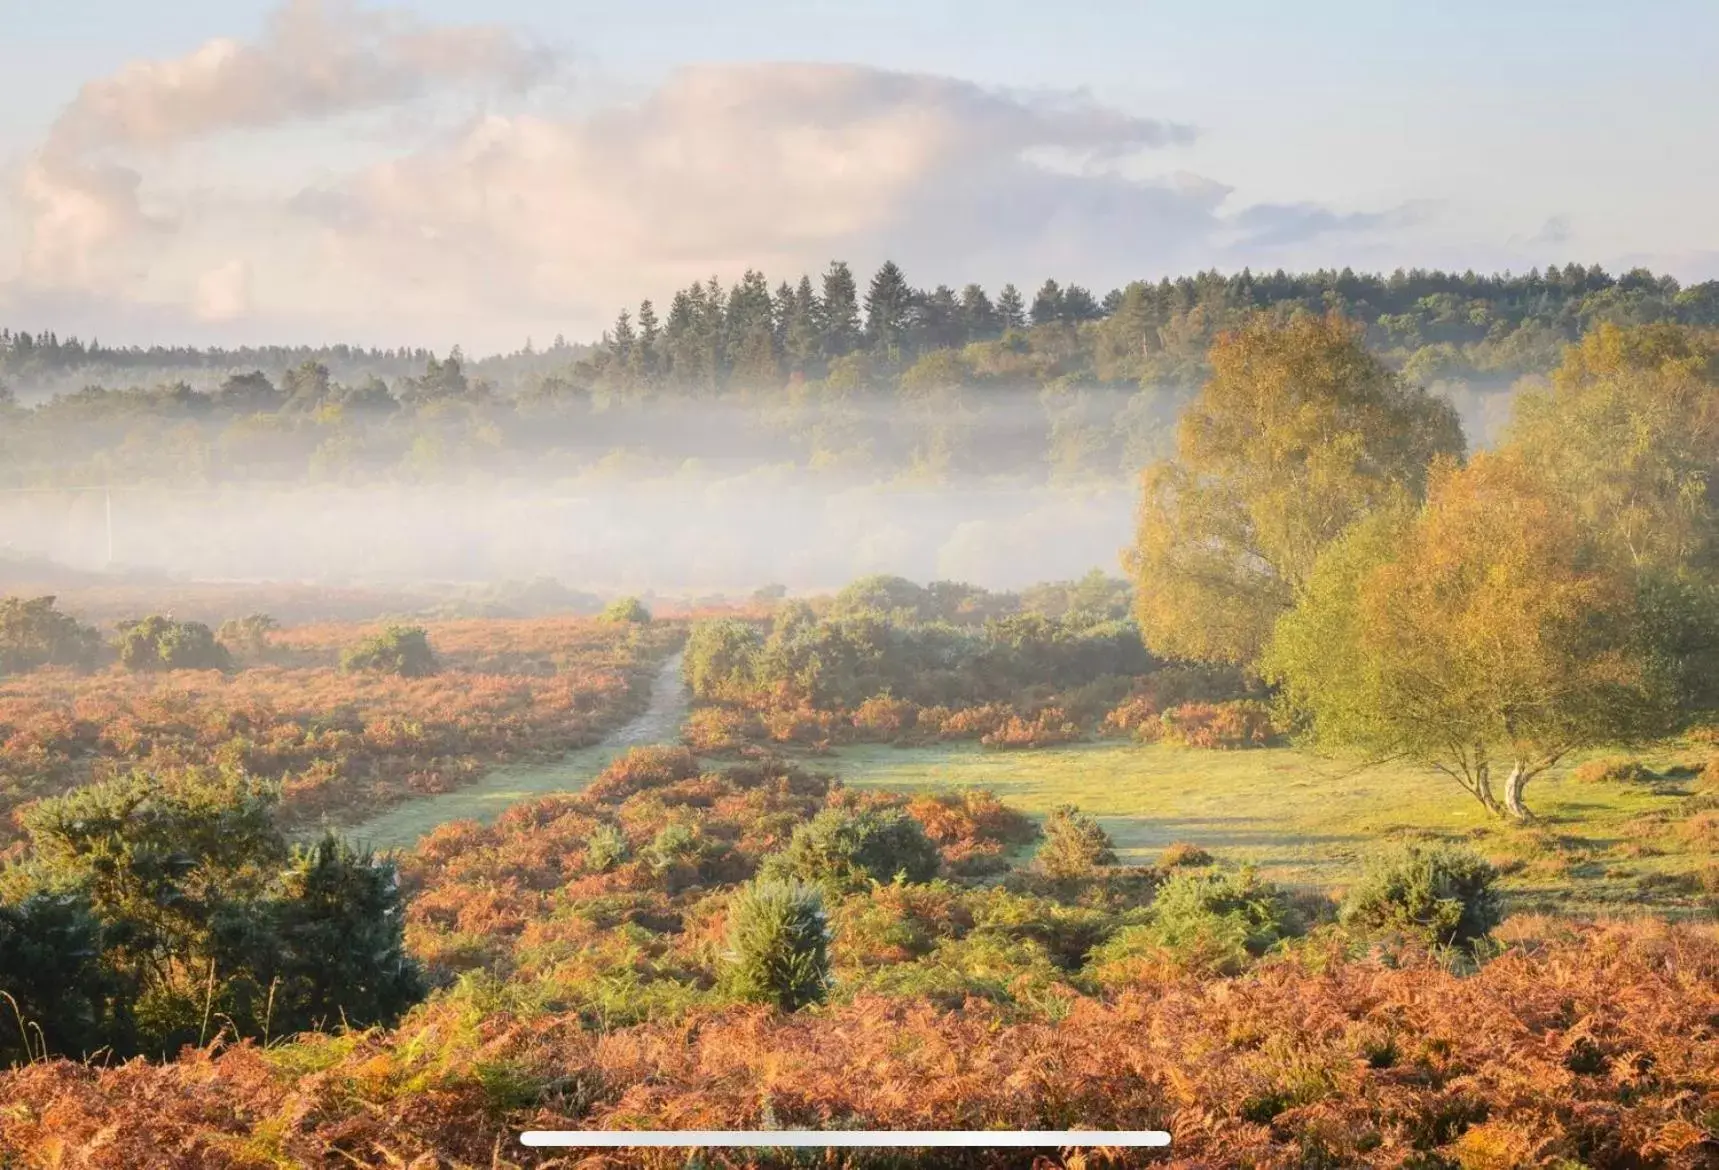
x=875 y=379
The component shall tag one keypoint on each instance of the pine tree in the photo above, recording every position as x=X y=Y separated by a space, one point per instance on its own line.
x=1047 y=303
x=802 y=335
x=841 y=310
x=936 y=320
x=782 y=309
x=621 y=339
x=1011 y=310
x=1078 y=305
x=645 y=357
x=712 y=338
x=978 y=314
x=888 y=305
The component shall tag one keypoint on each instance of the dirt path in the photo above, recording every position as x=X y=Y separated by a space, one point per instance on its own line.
x=485 y=800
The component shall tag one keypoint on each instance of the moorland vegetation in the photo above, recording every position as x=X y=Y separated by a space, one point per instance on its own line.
x=718 y=933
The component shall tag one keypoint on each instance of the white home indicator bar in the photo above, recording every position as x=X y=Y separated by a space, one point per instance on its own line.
x=854 y=1138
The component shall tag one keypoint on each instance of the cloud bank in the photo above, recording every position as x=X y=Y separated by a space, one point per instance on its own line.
x=529 y=217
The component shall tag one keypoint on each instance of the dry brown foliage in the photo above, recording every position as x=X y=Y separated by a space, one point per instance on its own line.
x=340 y=744
x=1599 y=1047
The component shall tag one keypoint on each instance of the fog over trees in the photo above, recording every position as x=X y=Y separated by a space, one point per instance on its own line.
x=861 y=423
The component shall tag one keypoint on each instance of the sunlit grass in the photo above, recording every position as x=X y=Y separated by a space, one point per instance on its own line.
x=1312 y=821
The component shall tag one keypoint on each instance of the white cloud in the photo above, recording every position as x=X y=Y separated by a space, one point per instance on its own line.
x=316 y=58
x=80 y=216
x=224 y=292
x=537 y=222
x=722 y=168
x=81 y=194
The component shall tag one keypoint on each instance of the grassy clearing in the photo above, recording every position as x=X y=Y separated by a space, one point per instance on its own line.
x=1597 y=847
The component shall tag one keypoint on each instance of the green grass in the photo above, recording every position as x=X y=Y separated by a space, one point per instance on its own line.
x=1595 y=848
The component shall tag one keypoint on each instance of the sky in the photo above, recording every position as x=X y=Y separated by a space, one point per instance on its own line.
x=446 y=172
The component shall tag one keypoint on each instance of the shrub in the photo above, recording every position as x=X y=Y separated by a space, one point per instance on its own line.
x=778 y=945
x=400 y=650
x=160 y=643
x=712 y=730
x=33 y=633
x=1702 y=830
x=847 y=849
x=1214 y=922
x=642 y=768
x=626 y=609
x=50 y=952
x=1708 y=877
x=972 y=829
x=802 y=725
x=1708 y=780
x=975 y=722
x=184 y=875
x=675 y=844
x=1049 y=727
x=1443 y=895
x=884 y=717
x=1182 y=855
x=954 y=816
x=1075 y=845
x=1238 y=724
x=1087 y=704
x=248 y=636
x=720 y=661
x=334 y=947
x=605 y=849
x=1613 y=770
x=1138 y=716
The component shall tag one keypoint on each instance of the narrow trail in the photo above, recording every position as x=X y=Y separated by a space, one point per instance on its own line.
x=490 y=795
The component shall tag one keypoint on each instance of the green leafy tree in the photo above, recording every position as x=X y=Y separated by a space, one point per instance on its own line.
x=802 y=327
x=881 y=593
x=1299 y=433
x=441 y=381
x=1047 y=303
x=1490 y=626
x=250 y=393
x=979 y=318
x=307 y=387
x=934 y=412
x=1629 y=430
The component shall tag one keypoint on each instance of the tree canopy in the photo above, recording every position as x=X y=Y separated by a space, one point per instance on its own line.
x=1299 y=433
x=1489 y=627
x=1628 y=429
